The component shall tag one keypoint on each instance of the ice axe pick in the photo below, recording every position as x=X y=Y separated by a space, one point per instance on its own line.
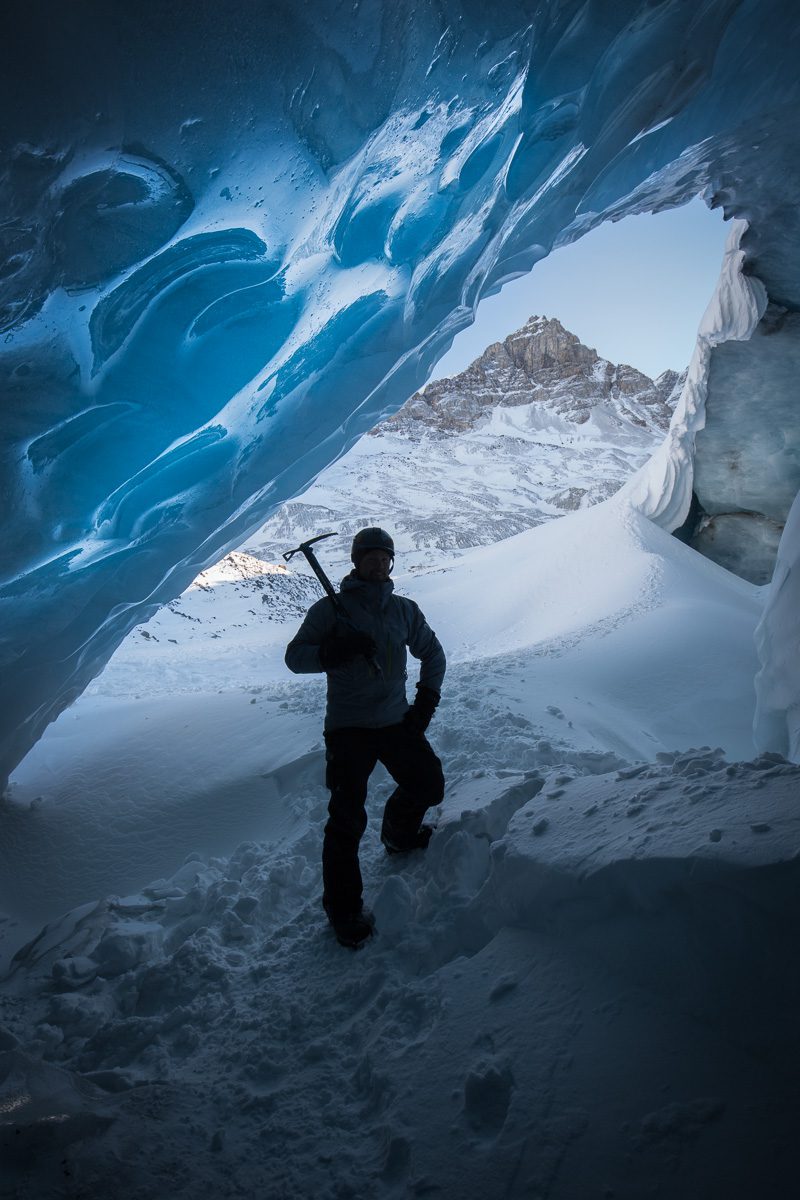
x=305 y=549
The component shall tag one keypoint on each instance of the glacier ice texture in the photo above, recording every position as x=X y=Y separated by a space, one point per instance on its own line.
x=235 y=236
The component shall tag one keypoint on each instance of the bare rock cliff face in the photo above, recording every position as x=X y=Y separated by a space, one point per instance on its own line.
x=541 y=363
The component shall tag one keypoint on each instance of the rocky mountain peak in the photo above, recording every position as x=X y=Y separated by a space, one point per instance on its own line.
x=541 y=363
x=543 y=344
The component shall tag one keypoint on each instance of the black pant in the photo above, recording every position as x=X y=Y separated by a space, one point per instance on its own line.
x=351 y=755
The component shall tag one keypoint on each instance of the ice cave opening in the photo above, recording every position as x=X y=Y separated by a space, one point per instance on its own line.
x=213 y=288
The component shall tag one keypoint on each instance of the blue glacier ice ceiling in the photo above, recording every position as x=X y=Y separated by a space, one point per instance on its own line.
x=234 y=235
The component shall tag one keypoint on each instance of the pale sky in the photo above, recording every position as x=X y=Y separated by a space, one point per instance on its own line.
x=634 y=291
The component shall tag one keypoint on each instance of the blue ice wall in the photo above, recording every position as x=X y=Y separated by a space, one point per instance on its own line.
x=235 y=235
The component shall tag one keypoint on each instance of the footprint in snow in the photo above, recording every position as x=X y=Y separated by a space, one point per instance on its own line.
x=487 y=1096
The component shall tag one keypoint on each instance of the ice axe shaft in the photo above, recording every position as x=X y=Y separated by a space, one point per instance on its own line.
x=305 y=549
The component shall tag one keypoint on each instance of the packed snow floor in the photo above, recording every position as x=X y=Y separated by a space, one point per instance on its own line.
x=587 y=986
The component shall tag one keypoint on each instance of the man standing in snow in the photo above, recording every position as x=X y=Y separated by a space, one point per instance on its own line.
x=369 y=720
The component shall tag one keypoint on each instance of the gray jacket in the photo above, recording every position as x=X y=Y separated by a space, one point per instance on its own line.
x=358 y=694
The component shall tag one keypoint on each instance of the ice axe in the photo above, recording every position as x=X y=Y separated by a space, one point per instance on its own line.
x=305 y=549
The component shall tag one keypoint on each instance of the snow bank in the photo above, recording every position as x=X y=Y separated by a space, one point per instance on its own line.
x=644 y=644
x=122 y=790
x=532 y=588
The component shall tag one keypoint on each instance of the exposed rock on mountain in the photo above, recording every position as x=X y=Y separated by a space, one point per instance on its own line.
x=542 y=363
x=283 y=595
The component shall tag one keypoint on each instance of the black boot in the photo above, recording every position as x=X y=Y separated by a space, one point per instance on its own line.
x=417 y=841
x=351 y=929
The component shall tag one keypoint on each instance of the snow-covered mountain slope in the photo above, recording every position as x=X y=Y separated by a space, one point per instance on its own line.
x=230 y=625
x=585 y=983
x=537 y=426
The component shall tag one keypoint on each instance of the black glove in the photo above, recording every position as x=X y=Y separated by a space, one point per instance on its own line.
x=421 y=712
x=335 y=651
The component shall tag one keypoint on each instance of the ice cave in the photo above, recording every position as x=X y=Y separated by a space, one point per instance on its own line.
x=230 y=245
x=234 y=236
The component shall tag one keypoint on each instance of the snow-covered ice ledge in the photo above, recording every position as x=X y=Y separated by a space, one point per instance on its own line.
x=662 y=488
